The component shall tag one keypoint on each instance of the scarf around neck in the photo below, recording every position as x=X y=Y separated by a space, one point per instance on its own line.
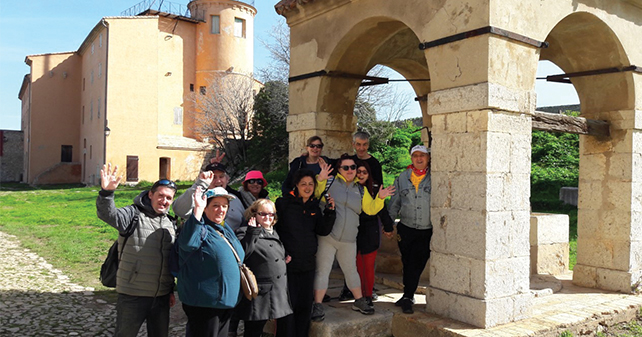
x=417 y=171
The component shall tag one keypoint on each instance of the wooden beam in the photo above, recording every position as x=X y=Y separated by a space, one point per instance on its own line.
x=552 y=122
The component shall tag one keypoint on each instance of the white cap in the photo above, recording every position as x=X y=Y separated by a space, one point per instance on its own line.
x=419 y=148
x=218 y=192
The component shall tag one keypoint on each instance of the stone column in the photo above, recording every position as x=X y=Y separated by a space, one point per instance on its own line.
x=609 y=249
x=481 y=156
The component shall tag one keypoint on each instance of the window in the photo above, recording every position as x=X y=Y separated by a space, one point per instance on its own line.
x=216 y=24
x=92 y=49
x=83 y=84
x=203 y=90
x=90 y=151
x=132 y=168
x=91 y=77
x=191 y=87
x=100 y=40
x=65 y=153
x=83 y=114
x=178 y=116
x=98 y=109
x=100 y=69
x=91 y=110
x=239 y=27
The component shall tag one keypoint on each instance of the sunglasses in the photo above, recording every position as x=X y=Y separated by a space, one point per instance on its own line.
x=351 y=167
x=165 y=182
x=316 y=146
x=362 y=172
x=265 y=214
x=255 y=181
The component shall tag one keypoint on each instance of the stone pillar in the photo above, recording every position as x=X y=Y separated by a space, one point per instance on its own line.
x=481 y=156
x=609 y=249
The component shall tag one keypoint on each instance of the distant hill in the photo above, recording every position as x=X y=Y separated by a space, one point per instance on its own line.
x=559 y=108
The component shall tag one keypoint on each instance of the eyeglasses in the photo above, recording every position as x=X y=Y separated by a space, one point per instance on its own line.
x=316 y=146
x=265 y=214
x=362 y=172
x=164 y=182
x=255 y=181
x=351 y=167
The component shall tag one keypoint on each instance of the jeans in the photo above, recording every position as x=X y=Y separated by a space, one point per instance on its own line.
x=207 y=322
x=132 y=311
x=301 y=298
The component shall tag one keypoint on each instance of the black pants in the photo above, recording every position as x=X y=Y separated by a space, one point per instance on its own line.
x=414 y=245
x=207 y=322
x=300 y=286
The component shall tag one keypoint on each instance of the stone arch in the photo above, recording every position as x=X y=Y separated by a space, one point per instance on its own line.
x=582 y=42
x=607 y=256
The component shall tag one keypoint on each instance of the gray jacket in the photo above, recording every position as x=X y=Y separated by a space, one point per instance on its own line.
x=143 y=269
x=184 y=204
x=349 y=202
x=412 y=206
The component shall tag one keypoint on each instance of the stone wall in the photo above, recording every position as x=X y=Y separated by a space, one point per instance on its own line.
x=11 y=160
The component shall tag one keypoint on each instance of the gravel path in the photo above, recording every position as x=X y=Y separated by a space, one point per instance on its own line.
x=39 y=300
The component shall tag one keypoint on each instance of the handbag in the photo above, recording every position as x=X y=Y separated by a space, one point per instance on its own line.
x=248 y=281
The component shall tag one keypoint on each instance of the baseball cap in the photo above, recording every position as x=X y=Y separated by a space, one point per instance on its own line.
x=216 y=167
x=419 y=148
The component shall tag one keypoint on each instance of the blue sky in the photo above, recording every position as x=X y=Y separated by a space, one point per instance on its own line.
x=45 y=26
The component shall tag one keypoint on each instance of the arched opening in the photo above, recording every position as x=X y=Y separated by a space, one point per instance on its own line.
x=593 y=60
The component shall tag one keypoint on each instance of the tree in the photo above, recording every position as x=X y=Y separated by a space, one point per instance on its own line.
x=279 y=48
x=269 y=135
x=223 y=114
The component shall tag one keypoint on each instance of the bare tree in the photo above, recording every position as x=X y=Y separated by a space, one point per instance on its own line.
x=224 y=111
x=279 y=47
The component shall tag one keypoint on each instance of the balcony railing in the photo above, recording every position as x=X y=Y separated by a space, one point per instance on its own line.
x=164 y=6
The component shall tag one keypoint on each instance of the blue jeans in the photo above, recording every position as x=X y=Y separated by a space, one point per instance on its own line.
x=132 y=311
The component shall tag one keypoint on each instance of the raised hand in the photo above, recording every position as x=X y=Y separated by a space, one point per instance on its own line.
x=200 y=201
x=386 y=192
x=109 y=179
x=325 y=170
x=207 y=177
x=252 y=222
x=218 y=158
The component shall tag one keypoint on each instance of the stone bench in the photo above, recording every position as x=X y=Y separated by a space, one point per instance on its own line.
x=549 y=243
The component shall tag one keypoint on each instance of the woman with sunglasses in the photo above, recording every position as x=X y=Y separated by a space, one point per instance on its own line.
x=350 y=200
x=312 y=160
x=265 y=256
x=300 y=221
x=369 y=236
x=253 y=188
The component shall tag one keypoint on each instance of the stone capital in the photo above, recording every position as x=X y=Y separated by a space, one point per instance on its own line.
x=481 y=96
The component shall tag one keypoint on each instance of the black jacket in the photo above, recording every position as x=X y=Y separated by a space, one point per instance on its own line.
x=369 y=235
x=265 y=256
x=298 y=227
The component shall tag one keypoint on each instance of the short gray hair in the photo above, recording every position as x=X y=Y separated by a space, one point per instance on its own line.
x=360 y=135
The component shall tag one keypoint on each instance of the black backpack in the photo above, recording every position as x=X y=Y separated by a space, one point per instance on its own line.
x=109 y=269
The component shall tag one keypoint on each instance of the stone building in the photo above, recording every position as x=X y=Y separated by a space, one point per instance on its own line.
x=125 y=95
x=481 y=59
x=11 y=151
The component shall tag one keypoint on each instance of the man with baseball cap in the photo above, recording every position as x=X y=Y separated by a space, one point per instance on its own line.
x=414 y=230
x=214 y=175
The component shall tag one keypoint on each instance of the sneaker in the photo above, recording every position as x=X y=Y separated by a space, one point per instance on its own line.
x=401 y=300
x=362 y=306
x=326 y=298
x=318 y=314
x=406 y=306
x=374 y=296
x=345 y=295
x=369 y=299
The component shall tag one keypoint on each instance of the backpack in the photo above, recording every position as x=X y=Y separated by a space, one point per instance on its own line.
x=109 y=269
x=174 y=259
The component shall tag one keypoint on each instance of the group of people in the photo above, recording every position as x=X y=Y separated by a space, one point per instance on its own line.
x=329 y=209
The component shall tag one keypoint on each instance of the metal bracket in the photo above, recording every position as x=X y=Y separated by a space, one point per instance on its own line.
x=481 y=31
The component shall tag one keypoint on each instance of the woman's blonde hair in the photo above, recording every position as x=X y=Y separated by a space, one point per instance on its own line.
x=251 y=211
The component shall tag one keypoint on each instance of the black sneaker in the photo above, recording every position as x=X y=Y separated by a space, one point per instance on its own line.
x=345 y=295
x=374 y=296
x=406 y=306
x=401 y=300
x=326 y=298
x=369 y=299
x=362 y=306
x=318 y=314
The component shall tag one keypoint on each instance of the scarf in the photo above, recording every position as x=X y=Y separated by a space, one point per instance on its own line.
x=417 y=171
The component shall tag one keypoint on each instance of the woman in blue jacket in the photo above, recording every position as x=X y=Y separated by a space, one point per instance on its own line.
x=208 y=280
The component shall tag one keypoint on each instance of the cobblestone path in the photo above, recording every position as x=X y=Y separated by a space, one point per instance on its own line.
x=39 y=300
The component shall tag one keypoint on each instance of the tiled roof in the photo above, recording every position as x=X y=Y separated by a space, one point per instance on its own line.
x=287 y=5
